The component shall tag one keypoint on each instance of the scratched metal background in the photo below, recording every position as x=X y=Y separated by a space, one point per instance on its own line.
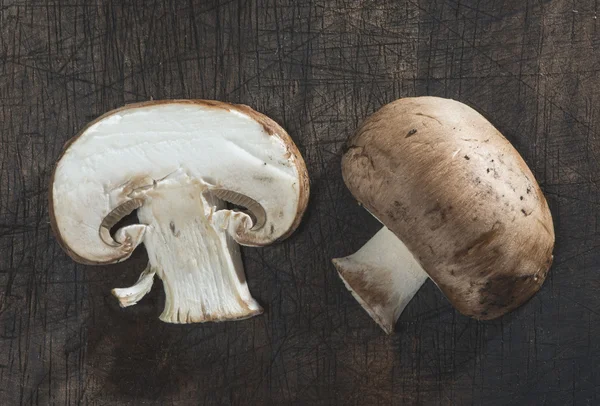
x=317 y=67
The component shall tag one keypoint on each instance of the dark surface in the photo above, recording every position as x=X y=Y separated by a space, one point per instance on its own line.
x=318 y=68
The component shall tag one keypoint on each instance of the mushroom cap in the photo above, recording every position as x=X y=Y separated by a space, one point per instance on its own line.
x=232 y=148
x=459 y=196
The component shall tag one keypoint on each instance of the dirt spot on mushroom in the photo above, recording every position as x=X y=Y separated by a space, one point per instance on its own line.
x=174 y=230
x=411 y=133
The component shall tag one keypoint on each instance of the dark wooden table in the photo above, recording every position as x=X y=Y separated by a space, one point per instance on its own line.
x=317 y=67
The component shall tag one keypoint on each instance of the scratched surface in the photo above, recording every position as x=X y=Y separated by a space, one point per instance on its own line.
x=317 y=67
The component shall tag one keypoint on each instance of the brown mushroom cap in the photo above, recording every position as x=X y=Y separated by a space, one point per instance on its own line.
x=459 y=196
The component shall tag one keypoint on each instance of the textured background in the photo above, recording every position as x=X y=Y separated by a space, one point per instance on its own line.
x=318 y=68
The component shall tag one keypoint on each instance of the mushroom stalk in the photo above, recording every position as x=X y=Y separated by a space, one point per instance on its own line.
x=191 y=251
x=383 y=276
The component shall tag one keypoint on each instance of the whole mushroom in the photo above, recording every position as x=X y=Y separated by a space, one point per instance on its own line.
x=458 y=204
x=178 y=163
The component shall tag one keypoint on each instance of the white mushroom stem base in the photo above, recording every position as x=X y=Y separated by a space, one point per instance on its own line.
x=383 y=276
x=191 y=251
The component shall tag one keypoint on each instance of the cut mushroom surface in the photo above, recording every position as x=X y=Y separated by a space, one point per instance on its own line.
x=455 y=194
x=177 y=163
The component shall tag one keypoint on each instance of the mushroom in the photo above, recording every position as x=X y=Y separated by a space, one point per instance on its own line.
x=177 y=163
x=459 y=206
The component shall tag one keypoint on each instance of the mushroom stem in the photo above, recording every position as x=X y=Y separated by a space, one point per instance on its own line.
x=199 y=264
x=383 y=276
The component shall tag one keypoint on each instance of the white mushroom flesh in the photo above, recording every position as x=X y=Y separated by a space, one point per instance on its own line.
x=164 y=160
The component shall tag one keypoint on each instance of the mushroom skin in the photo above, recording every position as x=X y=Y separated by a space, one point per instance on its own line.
x=177 y=162
x=459 y=196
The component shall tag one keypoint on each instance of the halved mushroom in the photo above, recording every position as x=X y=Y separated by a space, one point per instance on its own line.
x=178 y=163
x=459 y=205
